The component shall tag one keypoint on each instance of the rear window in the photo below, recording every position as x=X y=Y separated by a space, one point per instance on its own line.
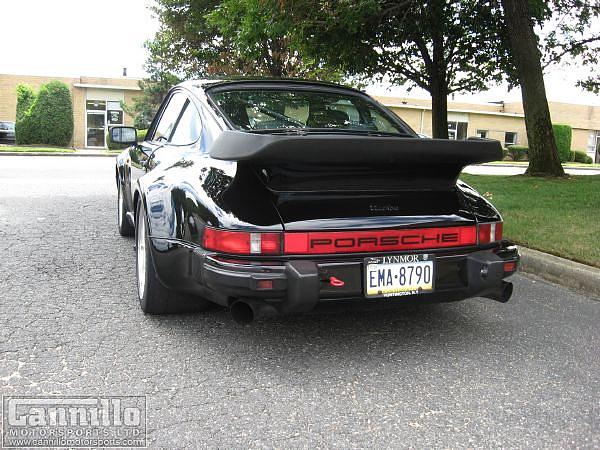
x=277 y=109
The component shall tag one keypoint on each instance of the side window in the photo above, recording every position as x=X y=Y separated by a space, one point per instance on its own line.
x=169 y=117
x=188 y=128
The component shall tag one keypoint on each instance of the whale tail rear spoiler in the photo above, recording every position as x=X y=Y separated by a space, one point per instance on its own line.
x=314 y=161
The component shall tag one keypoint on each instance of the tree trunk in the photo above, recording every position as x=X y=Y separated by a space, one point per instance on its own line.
x=439 y=110
x=438 y=81
x=543 y=156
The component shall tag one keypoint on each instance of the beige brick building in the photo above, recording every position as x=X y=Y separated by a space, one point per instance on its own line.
x=96 y=103
x=502 y=121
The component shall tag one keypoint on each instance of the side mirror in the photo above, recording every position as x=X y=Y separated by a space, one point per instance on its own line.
x=123 y=135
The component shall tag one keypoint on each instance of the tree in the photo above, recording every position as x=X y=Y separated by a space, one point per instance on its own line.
x=153 y=91
x=258 y=33
x=438 y=45
x=201 y=38
x=526 y=57
x=185 y=43
x=574 y=38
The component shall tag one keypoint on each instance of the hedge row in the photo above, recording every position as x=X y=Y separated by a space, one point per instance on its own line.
x=563 y=135
x=519 y=153
x=46 y=117
x=580 y=156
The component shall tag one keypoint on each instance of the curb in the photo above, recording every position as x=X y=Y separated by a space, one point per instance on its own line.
x=562 y=271
x=78 y=154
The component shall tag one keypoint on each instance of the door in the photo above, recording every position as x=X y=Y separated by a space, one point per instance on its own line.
x=95 y=129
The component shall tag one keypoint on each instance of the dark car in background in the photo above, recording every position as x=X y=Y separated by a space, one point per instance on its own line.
x=7 y=132
x=275 y=197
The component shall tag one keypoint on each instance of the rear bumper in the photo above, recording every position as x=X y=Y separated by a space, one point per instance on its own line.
x=299 y=285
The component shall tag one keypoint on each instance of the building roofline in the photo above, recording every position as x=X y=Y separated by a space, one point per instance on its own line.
x=107 y=86
x=470 y=111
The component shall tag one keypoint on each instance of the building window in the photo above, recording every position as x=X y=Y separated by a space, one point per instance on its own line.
x=510 y=138
x=482 y=134
x=593 y=149
x=457 y=130
x=95 y=105
x=114 y=113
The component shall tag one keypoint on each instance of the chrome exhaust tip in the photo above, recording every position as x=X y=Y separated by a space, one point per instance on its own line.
x=244 y=312
x=503 y=294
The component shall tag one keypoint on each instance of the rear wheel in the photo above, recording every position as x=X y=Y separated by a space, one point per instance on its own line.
x=125 y=228
x=154 y=297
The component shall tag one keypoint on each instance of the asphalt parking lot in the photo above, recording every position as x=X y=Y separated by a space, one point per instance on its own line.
x=470 y=374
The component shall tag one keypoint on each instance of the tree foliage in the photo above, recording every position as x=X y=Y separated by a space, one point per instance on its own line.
x=574 y=37
x=201 y=38
x=440 y=46
x=146 y=104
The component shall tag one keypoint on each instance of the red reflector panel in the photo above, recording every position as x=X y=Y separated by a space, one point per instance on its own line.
x=241 y=242
x=510 y=266
x=378 y=240
x=264 y=284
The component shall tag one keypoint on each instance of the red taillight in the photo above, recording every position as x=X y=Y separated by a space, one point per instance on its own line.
x=510 y=266
x=242 y=242
x=489 y=232
x=327 y=242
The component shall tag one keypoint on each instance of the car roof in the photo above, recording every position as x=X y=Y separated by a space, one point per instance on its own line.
x=206 y=84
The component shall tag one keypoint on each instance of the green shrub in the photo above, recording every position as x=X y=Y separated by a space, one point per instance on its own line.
x=49 y=118
x=53 y=109
x=580 y=156
x=25 y=98
x=141 y=135
x=517 y=152
x=25 y=131
x=505 y=154
x=563 y=135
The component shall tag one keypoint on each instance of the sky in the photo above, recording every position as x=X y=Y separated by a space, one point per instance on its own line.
x=98 y=38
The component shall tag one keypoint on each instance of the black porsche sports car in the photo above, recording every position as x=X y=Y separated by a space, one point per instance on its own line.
x=274 y=197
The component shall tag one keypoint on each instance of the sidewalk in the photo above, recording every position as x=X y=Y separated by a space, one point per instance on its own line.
x=78 y=152
x=519 y=169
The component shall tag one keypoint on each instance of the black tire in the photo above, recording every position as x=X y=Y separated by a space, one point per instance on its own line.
x=125 y=228
x=154 y=297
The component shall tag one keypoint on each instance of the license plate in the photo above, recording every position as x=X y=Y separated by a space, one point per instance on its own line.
x=392 y=276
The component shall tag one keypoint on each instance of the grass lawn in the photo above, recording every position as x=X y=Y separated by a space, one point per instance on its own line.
x=561 y=216
x=8 y=148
